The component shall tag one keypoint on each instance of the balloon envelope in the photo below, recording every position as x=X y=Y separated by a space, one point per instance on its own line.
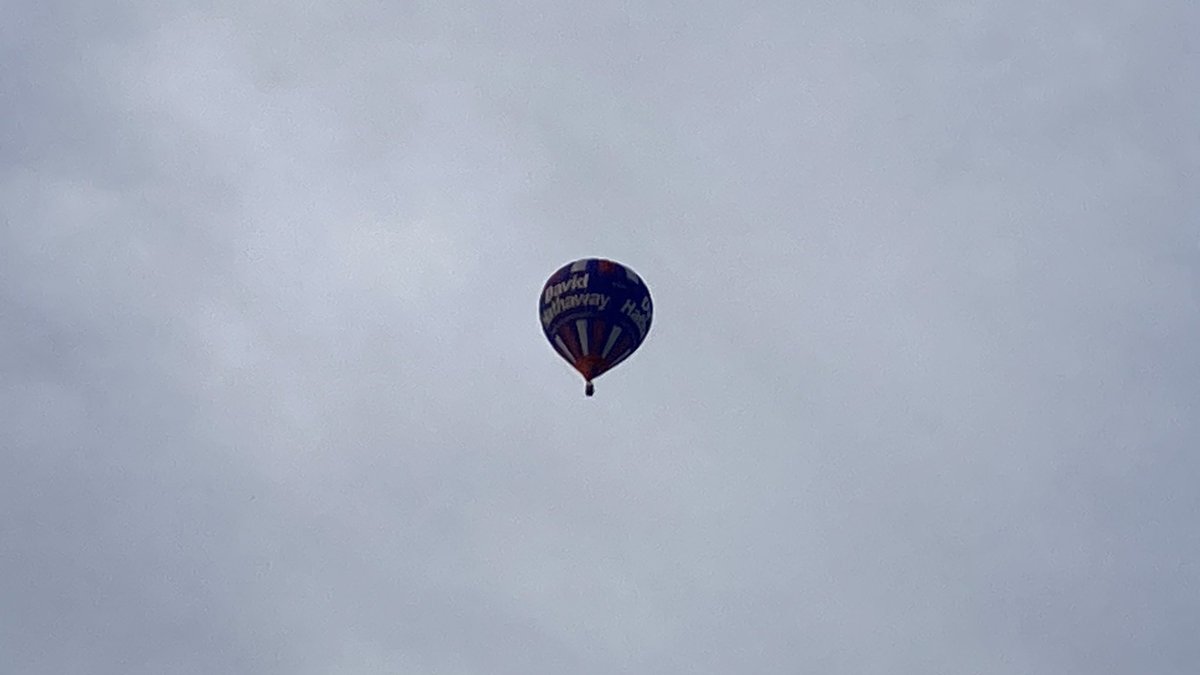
x=595 y=313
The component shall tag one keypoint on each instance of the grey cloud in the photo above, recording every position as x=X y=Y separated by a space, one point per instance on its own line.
x=919 y=396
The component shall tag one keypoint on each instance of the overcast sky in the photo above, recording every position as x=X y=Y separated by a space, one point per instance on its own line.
x=921 y=395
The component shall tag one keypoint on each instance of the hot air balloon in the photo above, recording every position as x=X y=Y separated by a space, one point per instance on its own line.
x=595 y=313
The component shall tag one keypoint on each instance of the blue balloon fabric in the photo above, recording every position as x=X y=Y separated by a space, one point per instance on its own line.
x=595 y=313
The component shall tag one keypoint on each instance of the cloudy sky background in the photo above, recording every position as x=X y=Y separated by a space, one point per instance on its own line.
x=920 y=396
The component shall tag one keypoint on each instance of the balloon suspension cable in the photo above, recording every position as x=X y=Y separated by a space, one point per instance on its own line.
x=589 y=389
